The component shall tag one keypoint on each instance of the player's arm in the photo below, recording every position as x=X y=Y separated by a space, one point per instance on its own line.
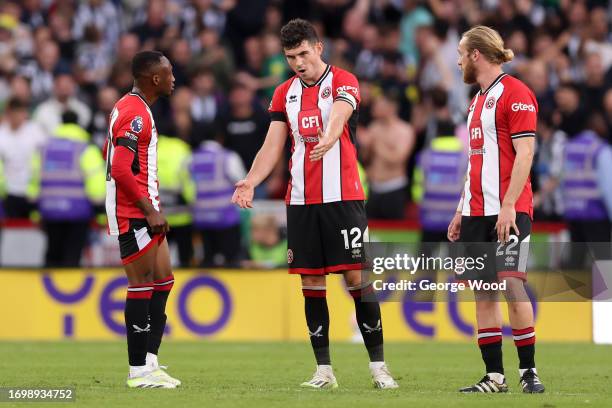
x=264 y=163
x=340 y=113
x=121 y=172
x=522 y=124
x=525 y=149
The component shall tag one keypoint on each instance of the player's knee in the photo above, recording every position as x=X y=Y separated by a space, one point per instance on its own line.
x=352 y=278
x=311 y=280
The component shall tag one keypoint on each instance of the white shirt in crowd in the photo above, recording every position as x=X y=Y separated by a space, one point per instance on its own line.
x=49 y=113
x=17 y=148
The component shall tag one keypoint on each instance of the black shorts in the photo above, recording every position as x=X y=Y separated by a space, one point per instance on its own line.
x=326 y=238
x=137 y=241
x=478 y=238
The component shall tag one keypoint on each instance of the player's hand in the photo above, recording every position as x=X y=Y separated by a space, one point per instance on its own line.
x=454 y=228
x=325 y=143
x=243 y=196
x=157 y=222
x=506 y=220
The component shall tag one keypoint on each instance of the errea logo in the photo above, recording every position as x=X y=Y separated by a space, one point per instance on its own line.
x=522 y=107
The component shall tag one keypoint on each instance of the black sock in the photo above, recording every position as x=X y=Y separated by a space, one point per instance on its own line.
x=369 y=321
x=490 y=343
x=317 y=318
x=524 y=340
x=157 y=312
x=137 y=323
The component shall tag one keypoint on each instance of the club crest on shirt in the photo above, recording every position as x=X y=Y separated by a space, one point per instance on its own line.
x=326 y=92
x=490 y=103
x=137 y=124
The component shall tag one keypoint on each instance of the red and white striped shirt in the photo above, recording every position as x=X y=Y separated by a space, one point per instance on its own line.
x=507 y=110
x=305 y=108
x=132 y=126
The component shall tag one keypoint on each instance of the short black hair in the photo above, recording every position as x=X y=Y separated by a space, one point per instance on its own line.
x=296 y=31
x=144 y=61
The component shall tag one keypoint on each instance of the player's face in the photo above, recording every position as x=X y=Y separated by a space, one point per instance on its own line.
x=163 y=78
x=305 y=60
x=466 y=64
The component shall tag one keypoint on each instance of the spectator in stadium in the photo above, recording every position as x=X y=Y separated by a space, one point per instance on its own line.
x=415 y=16
x=68 y=180
x=273 y=68
x=40 y=70
x=101 y=14
x=63 y=35
x=215 y=169
x=214 y=55
x=586 y=188
x=388 y=150
x=547 y=170
x=120 y=76
x=180 y=56
x=268 y=249
x=49 y=113
x=607 y=103
x=93 y=62
x=207 y=99
x=176 y=192
x=437 y=184
x=98 y=128
x=20 y=139
x=570 y=116
x=244 y=127
x=153 y=28
x=594 y=86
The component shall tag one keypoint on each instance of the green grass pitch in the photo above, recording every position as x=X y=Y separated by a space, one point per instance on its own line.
x=268 y=375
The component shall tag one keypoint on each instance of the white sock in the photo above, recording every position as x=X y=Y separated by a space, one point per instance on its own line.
x=522 y=371
x=138 y=371
x=497 y=377
x=152 y=360
x=376 y=365
x=325 y=367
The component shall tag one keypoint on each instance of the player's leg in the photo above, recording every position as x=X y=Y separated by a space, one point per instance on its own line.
x=139 y=252
x=512 y=268
x=476 y=242
x=305 y=257
x=162 y=285
x=344 y=228
x=369 y=320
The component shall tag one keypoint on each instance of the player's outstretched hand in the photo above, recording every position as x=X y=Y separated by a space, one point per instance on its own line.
x=243 y=195
x=325 y=143
x=506 y=220
x=454 y=227
x=157 y=221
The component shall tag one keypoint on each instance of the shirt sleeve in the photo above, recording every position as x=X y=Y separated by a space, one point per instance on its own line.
x=133 y=128
x=521 y=112
x=277 y=105
x=346 y=88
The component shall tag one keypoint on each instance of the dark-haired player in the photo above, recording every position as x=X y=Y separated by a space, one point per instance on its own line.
x=134 y=214
x=326 y=218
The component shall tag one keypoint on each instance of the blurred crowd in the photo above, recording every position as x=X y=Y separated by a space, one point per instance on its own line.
x=64 y=63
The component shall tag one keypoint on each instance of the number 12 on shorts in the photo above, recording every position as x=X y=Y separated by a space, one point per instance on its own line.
x=355 y=237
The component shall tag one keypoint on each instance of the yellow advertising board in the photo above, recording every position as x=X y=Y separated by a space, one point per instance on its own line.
x=242 y=305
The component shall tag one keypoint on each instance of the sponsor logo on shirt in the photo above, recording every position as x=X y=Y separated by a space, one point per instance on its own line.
x=131 y=136
x=137 y=124
x=519 y=106
x=347 y=88
x=477 y=151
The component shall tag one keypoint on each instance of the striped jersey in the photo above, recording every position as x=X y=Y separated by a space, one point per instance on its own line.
x=306 y=108
x=505 y=111
x=131 y=120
